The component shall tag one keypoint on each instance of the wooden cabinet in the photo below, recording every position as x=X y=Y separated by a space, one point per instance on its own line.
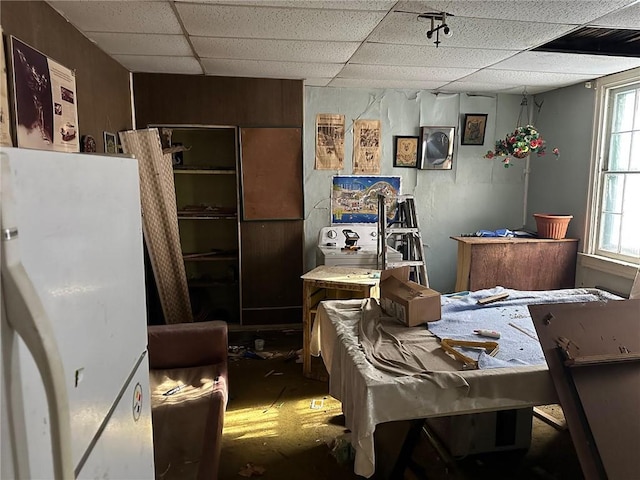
x=272 y=226
x=206 y=184
x=518 y=263
x=272 y=234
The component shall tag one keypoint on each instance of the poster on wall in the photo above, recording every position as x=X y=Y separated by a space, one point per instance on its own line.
x=366 y=147
x=45 y=101
x=5 y=129
x=329 y=141
x=354 y=198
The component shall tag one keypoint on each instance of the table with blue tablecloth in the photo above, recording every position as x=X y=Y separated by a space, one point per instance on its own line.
x=383 y=371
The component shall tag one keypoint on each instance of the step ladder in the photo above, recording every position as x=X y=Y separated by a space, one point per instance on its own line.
x=405 y=232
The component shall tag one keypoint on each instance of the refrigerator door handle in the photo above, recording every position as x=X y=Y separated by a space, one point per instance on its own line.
x=27 y=316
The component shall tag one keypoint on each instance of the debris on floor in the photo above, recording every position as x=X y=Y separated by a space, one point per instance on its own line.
x=342 y=450
x=543 y=474
x=251 y=470
x=236 y=352
x=275 y=401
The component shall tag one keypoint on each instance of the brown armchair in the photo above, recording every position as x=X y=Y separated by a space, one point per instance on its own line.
x=188 y=376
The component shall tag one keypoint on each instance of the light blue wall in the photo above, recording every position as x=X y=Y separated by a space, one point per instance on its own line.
x=566 y=120
x=561 y=185
x=477 y=193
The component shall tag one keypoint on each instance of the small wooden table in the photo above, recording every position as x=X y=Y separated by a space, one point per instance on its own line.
x=331 y=283
x=518 y=263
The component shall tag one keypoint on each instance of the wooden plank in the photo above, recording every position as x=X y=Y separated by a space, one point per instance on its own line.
x=271 y=263
x=600 y=402
x=522 y=264
x=508 y=240
x=463 y=267
x=271 y=192
x=549 y=419
x=493 y=299
x=590 y=360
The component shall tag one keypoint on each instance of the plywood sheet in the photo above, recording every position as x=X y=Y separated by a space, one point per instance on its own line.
x=601 y=400
x=160 y=221
x=271 y=163
x=523 y=266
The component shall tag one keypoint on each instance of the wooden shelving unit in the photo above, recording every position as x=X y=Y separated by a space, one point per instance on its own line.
x=207 y=183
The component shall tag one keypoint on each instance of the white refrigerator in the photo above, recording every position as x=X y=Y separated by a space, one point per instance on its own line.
x=75 y=399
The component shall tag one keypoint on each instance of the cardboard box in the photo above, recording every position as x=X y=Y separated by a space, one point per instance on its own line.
x=411 y=303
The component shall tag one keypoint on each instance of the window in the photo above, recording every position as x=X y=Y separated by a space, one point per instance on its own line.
x=615 y=231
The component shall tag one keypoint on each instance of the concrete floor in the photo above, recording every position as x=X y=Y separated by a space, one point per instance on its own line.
x=289 y=426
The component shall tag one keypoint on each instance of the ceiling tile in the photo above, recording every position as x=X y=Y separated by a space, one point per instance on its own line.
x=567 y=63
x=277 y=23
x=156 y=64
x=382 y=83
x=627 y=18
x=283 y=50
x=530 y=90
x=119 y=16
x=370 y=5
x=142 y=44
x=574 y=12
x=385 y=72
x=526 y=78
x=490 y=49
x=405 y=28
x=258 y=69
x=427 y=55
x=479 y=87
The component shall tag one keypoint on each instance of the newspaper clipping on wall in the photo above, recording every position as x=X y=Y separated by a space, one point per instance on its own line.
x=329 y=141
x=366 y=147
x=45 y=101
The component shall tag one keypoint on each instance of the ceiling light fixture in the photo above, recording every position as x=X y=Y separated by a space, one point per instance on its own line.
x=437 y=17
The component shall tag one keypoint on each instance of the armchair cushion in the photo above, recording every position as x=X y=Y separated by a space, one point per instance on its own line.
x=187 y=410
x=187 y=344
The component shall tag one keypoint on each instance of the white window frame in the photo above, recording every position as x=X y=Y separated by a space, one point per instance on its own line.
x=604 y=261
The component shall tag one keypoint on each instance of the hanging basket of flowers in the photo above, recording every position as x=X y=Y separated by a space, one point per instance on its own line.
x=523 y=141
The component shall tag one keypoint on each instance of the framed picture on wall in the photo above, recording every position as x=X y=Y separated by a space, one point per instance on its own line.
x=405 y=151
x=45 y=100
x=473 y=128
x=436 y=148
x=110 y=143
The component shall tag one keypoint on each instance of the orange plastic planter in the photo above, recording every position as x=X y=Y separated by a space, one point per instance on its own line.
x=551 y=225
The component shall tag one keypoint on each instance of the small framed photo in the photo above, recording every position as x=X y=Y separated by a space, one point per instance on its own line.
x=436 y=148
x=473 y=128
x=406 y=151
x=110 y=143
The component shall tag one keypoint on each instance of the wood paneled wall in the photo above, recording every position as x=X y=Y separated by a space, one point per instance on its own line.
x=271 y=251
x=206 y=100
x=104 y=97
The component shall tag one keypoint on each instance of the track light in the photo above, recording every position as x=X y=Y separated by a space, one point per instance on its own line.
x=437 y=17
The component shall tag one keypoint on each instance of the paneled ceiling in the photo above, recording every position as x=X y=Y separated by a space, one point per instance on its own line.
x=359 y=43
